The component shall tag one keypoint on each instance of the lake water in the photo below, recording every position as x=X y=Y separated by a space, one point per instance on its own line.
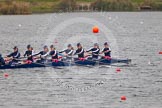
x=135 y=35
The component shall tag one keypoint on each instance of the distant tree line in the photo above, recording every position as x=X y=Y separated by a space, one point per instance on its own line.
x=27 y=7
x=112 y=5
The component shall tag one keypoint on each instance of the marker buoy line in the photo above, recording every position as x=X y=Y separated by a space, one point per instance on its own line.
x=123 y=98
x=160 y=52
x=5 y=75
x=95 y=29
x=118 y=70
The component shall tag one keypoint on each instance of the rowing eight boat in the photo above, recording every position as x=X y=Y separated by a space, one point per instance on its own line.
x=76 y=62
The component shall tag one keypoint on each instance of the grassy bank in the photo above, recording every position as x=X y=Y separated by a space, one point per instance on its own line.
x=46 y=6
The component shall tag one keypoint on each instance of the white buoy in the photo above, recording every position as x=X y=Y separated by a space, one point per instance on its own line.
x=149 y=62
x=110 y=18
x=19 y=25
x=141 y=22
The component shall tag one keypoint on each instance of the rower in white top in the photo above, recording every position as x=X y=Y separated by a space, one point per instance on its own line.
x=94 y=51
x=43 y=55
x=68 y=53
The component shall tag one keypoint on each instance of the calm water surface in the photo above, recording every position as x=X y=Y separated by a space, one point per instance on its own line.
x=132 y=35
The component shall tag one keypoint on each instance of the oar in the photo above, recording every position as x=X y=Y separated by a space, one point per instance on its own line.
x=80 y=60
x=114 y=60
x=75 y=61
x=19 y=59
x=66 y=62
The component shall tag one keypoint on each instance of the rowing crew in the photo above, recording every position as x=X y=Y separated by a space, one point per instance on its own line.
x=42 y=56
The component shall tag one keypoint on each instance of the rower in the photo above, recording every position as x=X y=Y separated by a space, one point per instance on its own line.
x=79 y=51
x=2 y=61
x=95 y=51
x=14 y=56
x=29 y=53
x=43 y=54
x=53 y=53
x=106 y=51
x=69 y=51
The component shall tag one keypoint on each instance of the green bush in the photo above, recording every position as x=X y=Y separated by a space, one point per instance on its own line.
x=113 y=5
x=65 y=5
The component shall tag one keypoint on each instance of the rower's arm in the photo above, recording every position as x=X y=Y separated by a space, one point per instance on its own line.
x=33 y=52
x=54 y=53
x=36 y=54
x=77 y=53
x=25 y=54
x=89 y=50
x=71 y=52
x=45 y=55
x=109 y=50
x=62 y=51
x=10 y=55
x=97 y=50
x=103 y=51
x=17 y=55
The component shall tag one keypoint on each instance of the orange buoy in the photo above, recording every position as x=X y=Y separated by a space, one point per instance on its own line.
x=95 y=29
x=5 y=75
x=160 y=52
x=118 y=70
x=123 y=98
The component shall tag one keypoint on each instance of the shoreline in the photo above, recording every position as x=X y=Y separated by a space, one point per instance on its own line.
x=24 y=7
x=41 y=13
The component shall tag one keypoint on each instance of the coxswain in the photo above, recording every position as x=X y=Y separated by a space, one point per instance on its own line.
x=79 y=51
x=69 y=51
x=29 y=53
x=53 y=53
x=2 y=61
x=14 y=56
x=95 y=51
x=106 y=51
